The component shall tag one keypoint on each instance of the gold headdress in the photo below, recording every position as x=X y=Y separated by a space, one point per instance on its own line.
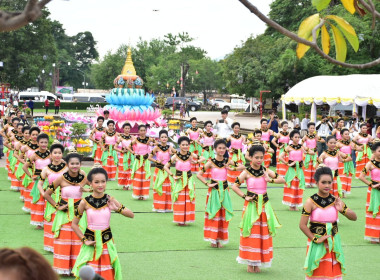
x=71 y=150
x=96 y=165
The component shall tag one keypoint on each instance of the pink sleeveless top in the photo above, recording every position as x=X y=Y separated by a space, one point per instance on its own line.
x=236 y=143
x=324 y=215
x=283 y=139
x=218 y=173
x=98 y=219
x=332 y=162
x=110 y=140
x=265 y=136
x=41 y=163
x=141 y=148
x=193 y=135
x=98 y=134
x=257 y=185
x=363 y=140
x=311 y=143
x=375 y=174
x=295 y=155
x=208 y=141
x=126 y=143
x=71 y=192
x=346 y=149
x=338 y=136
x=29 y=153
x=163 y=156
x=54 y=175
x=183 y=165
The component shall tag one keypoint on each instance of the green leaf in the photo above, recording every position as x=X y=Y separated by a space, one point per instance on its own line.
x=348 y=31
x=307 y=25
x=349 y=5
x=325 y=38
x=340 y=44
x=320 y=4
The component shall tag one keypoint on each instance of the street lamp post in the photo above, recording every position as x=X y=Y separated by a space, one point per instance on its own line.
x=261 y=102
x=84 y=78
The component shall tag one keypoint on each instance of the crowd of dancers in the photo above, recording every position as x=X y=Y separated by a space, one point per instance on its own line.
x=77 y=227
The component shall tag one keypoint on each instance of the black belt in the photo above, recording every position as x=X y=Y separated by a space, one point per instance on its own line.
x=235 y=151
x=206 y=148
x=159 y=166
x=106 y=235
x=64 y=202
x=225 y=184
x=300 y=162
x=320 y=228
x=256 y=197
x=179 y=173
x=142 y=156
x=37 y=172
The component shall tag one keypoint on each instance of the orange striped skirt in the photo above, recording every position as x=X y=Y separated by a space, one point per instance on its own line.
x=163 y=203
x=360 y=165
x=293 y=195
x=309 y=174
x=15 y=183
x=256 y=249
x=267 y=159
x=183 y=208
x=195 y=166
x=124 y=176
x=111 y=168
x=98 y=154
x=372 y=225
x=66 y=249
x=345 y=180
x=27 y=198
x=140 y=184
x=216 y=229
x=37 y=212
x=22 y=188
x=334 y=189
x=281 y=168
x=207 y=174
x=329 y=268
x=48 y=234
x=7 y=163
x=103 y=265
x=232 y=174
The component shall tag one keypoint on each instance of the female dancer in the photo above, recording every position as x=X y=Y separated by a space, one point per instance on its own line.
x=219 y=209
x=310 y=142
x=183 y=190
x=346 y=169
x=281 y=141
x=38 y=161
x=141 y=173
x=9 y=144
x=259 y=223
x=265 y=137
x=372 y=217
x=362 y=140
x=20 y=174
x=337 y=131
x=109 y=157
x=331 y=158
x=194 y=134
x=98 y=249
x=96 y=137
x=162 y=201
x=51 y=172
x=66 y=243
x=125 y=157
x=207 y=147
x=295 y=178
x=28 y=150
x=236 y=151
x=256 y=140
x=324 y=258
x=16 y=141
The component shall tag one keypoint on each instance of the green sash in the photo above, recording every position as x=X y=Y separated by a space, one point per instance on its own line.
x=126 y=158
x=309 y=158
x=159 y=180
x=50 y=210
x=19 y=171
x=113 y=153
x=12 y=161
x=349 y=168
x=218 y=198
x=63 y=217
x=374 y=202
x=5 y=150
x=339 y=186
x=90 y=253
x=27 y=180
x=366 y=151
x=208 y=154
x=293 y=173
x=138 y=163
x=179 y=185
x=94 y=148
x=318 y=250
x=238 y=156
x=35 y=193
x=252 y=214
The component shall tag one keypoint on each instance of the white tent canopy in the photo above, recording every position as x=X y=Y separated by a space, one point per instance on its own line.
x=347 y=90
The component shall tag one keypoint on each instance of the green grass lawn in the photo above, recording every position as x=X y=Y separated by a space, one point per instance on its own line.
x=150 y=246
x=51 y=111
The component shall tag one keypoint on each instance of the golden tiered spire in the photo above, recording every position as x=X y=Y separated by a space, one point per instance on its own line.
x=128 y=68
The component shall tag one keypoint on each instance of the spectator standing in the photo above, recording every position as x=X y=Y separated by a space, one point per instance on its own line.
x=46 y=106
x=296 y=122
x=31 y=105
x=304 y=123
x=57 y=104
x=273 y=125
x=24 y=121
x=106 y=114
x=323 y=129
x=187 y=108
x=223 y=128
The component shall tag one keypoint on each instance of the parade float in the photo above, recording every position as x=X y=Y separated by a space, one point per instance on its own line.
x=128 y=101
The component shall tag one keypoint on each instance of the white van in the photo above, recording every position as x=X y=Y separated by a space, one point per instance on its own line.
x=67 y=97
x=37 y=96
x=88 y=97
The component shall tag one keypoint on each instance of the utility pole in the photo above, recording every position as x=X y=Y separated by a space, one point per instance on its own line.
x=184 y=69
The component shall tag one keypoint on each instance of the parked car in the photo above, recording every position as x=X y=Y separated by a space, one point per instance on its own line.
x=235 y=104
x=88 y=97
x=37 y=96
x=181 y=100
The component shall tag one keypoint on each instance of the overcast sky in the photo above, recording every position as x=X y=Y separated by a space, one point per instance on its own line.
x=217 y=25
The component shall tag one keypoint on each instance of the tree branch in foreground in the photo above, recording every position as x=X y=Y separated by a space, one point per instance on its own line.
x=253 y=9
x=10 y=21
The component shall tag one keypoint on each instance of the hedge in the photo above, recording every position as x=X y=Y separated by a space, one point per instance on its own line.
x=69 y=105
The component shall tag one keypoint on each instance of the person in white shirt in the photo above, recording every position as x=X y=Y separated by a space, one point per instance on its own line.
x=223 y=128
x=323 y=129
x=304 y=123
x=106 y=118
x=296 y=122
